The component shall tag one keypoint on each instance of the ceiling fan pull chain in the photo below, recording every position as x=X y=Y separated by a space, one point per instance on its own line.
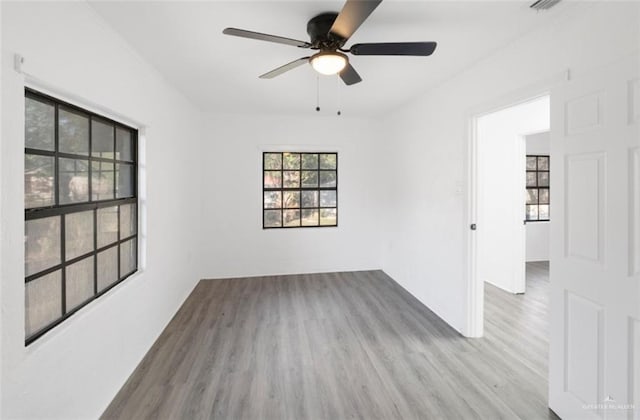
x=339 y=97
x=318 y=93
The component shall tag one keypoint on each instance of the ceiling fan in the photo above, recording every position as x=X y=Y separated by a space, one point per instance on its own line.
x=329 y=32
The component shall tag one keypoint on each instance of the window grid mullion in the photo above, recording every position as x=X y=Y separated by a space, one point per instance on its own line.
x=56 y=164
x=134 y=155
x=119 y=244
x=79 y=258
x=282 y=190
x=32 y=214
x=95 y=251
x=337 y=189
x=538 y=187
x=60 y=211
x=63 y=233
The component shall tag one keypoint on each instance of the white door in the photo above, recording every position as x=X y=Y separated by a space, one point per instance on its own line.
x=594 y=355
x=501 y=230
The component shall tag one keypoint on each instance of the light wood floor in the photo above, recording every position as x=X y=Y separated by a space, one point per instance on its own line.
x=340 y=345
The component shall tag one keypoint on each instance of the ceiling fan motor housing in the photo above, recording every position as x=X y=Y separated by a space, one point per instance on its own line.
x=318 y=29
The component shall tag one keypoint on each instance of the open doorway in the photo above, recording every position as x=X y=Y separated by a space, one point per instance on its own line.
x=592 y=318
x=538 y=216
x=510 y=187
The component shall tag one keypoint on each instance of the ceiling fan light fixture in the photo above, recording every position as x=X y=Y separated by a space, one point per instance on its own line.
x=328 y=62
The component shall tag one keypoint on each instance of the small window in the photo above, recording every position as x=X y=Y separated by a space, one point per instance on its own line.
x=299 y=190
x=538 y=192
x=81 y=205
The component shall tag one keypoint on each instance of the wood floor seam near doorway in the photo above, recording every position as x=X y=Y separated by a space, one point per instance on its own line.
x=339 y=345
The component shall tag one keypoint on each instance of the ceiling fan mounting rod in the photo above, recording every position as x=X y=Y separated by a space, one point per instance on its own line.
x=318 y=29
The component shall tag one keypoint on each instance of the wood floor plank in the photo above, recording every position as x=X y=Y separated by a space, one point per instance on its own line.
x=340 y=345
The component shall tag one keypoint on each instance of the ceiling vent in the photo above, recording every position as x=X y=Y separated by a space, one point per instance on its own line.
x=544 y=4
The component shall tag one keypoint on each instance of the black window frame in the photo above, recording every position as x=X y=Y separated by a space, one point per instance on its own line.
x=538 y=187
x=300 y=188
x=61 y=210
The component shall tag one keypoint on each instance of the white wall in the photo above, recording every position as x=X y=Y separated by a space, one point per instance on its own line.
x=539 y=143
x=500 y=182
x=235 y=243
x=416 y=207
x=427 y=233
x=538 y=238
x=76 y=369
x=538 y=241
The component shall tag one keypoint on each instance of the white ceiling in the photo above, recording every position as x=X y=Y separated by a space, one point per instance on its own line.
x=184 y=41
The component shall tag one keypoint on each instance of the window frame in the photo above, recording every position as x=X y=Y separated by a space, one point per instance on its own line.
x=61 y=210
x=300 y=188
x=537 y=171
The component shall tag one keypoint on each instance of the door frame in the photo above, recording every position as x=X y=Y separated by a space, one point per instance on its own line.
x=474 y=325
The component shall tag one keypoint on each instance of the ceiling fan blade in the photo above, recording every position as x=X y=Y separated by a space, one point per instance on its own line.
x=283 y=69
x=395 y=48
x=349 y=75
x=265 y=37
x=352 y=15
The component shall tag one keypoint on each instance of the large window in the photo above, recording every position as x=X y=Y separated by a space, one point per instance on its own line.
x=537 y=188
x=299 y=190
x=80 y=209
